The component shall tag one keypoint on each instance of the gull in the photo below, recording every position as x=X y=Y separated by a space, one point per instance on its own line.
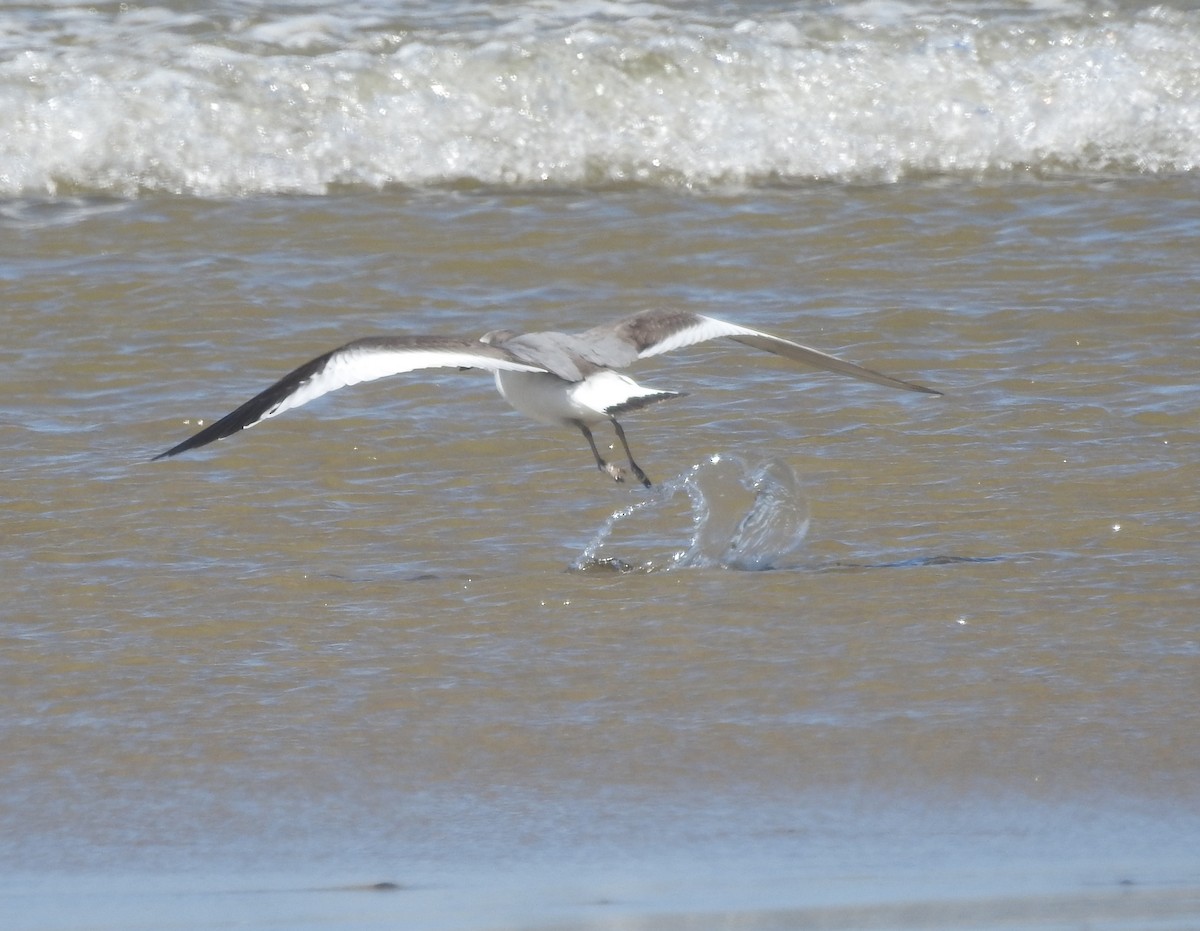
x=555 y=378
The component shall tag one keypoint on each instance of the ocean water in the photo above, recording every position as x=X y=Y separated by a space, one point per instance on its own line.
x=230 y=99
x=403 y=659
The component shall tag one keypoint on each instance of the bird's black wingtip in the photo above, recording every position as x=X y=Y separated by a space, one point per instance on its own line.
x=203 y=438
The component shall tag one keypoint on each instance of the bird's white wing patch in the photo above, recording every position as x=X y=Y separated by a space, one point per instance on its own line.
x=701 y=328
x=353 y=365
x=363 y=360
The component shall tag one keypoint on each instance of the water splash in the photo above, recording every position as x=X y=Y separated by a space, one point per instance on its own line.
x=775 y=525
x=738 y=517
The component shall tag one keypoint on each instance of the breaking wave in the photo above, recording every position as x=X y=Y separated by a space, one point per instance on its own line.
x=229 y=98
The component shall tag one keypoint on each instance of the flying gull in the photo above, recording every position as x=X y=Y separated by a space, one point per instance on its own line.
x=556 y=378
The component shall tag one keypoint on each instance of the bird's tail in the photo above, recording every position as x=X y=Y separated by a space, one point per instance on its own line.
x=637 y=402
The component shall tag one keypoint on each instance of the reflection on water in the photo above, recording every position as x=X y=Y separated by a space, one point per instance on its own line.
x=741 y=516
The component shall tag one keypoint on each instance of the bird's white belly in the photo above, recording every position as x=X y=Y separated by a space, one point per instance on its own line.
x=553 y=400
x=542 y=396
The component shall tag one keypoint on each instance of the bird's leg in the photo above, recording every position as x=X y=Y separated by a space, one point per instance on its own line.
x=637 y=469
x=615 y=471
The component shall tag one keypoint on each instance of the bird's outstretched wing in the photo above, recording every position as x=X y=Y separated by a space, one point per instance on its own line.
x=359 y=361
x=653 y=332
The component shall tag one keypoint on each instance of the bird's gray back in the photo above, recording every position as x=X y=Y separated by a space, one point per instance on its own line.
x=568 y=357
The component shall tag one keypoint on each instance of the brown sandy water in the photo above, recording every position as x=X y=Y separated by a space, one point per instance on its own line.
x=348 y=646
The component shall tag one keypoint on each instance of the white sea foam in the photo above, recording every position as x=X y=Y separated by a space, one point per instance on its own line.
x=286 y=97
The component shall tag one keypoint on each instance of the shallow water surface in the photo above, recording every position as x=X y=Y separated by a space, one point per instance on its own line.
x=350 y=643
